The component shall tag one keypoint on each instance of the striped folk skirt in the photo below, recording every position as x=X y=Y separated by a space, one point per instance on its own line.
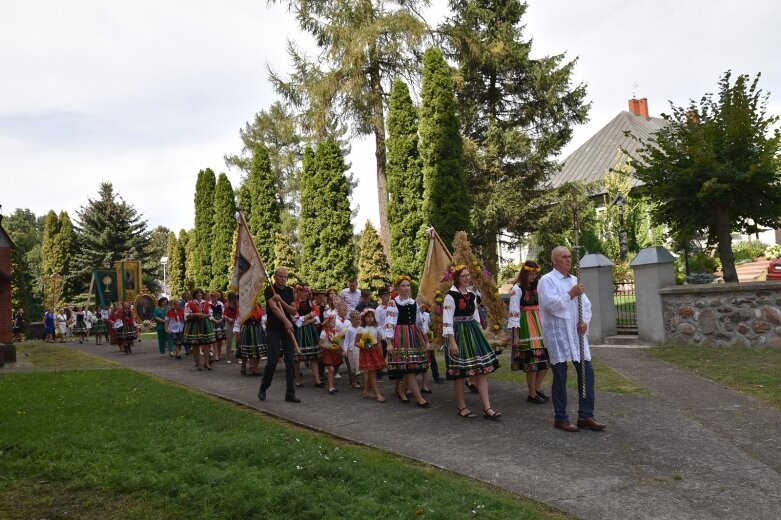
x=253 y=344
x=126 y=334
x=198 y=331
x=219 y=330
x=475 y=355
x=371 y=359
x=308 y=339
x=409 y=352
x=80 y=327
x=530 y=355
x=98 y=328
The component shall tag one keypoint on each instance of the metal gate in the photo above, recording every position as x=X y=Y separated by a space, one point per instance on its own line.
x=626 y=309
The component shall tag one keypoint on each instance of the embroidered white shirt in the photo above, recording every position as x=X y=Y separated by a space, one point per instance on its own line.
x=448 y=311
x=392 y=316
x=559 y=317
x=514 y=314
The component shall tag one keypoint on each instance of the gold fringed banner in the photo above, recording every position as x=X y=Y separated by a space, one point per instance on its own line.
x=248 y=270
x=437 y=263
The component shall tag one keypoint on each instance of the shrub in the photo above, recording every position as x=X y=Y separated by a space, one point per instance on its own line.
x=748 y=250
x=699 y=278
x=622 y=273
x=773 y=251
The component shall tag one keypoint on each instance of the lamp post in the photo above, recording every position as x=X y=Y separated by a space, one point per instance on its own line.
x=164 y=261
x=622 y=238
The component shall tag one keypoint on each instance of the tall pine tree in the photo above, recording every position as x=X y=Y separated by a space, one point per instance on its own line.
x=51 y=227
x=222 y=233
x=107 y=229
x=447 y=202
x=204 y=221
x=264 y=220
x=405 y=185
x=328 y=258
x=373 y=269
x=187 y=248
x=517 y=112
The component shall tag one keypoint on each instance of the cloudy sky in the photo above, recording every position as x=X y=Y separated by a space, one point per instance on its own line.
x=145 y=93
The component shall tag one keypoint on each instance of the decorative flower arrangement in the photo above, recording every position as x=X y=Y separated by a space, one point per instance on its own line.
x=367 y=340
x=336 y=342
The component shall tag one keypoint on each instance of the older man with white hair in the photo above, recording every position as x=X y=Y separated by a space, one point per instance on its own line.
x=557 y=292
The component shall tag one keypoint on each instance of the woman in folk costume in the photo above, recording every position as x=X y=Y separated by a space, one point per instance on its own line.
x=62 y=324
x=80 y=328
x=529 y=352
x=252 y=341
x=232 y=328
x=330 y=350
x=468 y=353
x=218 y=321
x=406 y=335
x=98 y=328
x=125 y=328
x=114 y=316
x=307 y=335
x=198 y=329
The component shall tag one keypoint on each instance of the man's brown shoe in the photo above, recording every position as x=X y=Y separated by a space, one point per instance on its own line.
x=591 y=424
x=566 y=426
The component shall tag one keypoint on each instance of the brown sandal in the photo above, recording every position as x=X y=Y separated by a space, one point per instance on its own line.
x=467 y=415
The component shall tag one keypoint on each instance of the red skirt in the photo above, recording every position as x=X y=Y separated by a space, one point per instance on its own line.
x=371 y=359
x=331 y=357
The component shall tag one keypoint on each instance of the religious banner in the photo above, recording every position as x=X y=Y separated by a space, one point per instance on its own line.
x=248 y=270
x=438 y=261
x=129 y=279
x=144 y=307
x=105 y=287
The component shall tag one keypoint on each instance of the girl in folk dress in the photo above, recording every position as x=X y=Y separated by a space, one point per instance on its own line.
x=529 y=352
x=115 y=315
x=307 y=335
x=342 y=324
x=98 y=328
x=468 y=353
x=174 y=320
x=253 y=344
x=330 y=350
x=125 y=328
x=80 y=327
x=406 y=342
x=218 y=320
x=370 y=354
x=198 y=330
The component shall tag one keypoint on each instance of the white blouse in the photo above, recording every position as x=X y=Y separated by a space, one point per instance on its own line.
x=448 y=312
x=389 y=328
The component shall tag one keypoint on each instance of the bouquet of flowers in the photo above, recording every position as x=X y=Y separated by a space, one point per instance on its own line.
x=367 y=340
x=336 y=342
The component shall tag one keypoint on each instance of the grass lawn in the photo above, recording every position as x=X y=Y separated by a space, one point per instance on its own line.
x=606 y=379
x=754 y=371
x=120 y=444
x=55 y=356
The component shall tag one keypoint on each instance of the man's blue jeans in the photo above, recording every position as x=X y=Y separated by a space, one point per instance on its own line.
x=559 y=391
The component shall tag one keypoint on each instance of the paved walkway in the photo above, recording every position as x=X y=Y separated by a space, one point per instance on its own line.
x=693 y=450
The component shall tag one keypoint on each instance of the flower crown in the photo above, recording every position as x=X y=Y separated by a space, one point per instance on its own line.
x=458 y=267
x=531 y=269
x=366 y=311
x=401 y=278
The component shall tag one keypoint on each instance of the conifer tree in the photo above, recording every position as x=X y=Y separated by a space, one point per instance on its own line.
x=51 y=226
x=446 y=203
x=264 y=220
x=202 y=234
x=107 y=229
x=308 y=234
x=328 y=261
x=187 y=250
x=285 y=256
x=405 y=185
x=373 y=269
x=222 y=233
x=175 y=267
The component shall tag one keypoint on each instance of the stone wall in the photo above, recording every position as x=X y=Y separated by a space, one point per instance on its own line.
x=723 y=314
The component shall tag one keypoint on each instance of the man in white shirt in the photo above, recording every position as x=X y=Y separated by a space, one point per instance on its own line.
x=351 y=295
x=558 y=292
x=380 y=315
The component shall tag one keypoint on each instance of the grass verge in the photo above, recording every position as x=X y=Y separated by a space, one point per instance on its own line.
x=53 y=356
x=753 y=371
x=119 y=444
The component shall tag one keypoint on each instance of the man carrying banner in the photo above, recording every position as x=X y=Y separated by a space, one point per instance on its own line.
x=279 y=325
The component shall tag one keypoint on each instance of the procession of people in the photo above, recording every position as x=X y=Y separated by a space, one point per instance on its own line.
x=319 y=331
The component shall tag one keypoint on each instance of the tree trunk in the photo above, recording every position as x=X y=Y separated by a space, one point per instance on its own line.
x=378 y=121
x=725 y=245
x=491 y=254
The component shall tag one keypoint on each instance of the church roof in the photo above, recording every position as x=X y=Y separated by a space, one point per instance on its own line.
x=594 y=158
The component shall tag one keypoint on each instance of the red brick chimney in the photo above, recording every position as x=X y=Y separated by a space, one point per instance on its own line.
x=639 y=107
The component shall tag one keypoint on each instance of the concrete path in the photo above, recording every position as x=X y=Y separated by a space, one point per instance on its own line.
x=693 y=450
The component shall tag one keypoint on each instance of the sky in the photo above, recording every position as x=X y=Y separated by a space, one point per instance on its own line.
x=144 y=94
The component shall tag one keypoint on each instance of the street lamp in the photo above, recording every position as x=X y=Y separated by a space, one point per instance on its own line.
x=164 y=261
x=622 y=238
